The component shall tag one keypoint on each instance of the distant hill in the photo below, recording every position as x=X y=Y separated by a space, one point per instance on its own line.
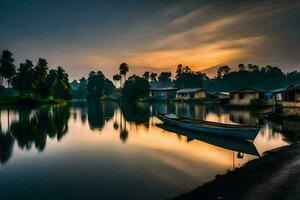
x=211 y=72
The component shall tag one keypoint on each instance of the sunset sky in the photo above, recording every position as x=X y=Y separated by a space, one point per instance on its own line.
x=152 y=35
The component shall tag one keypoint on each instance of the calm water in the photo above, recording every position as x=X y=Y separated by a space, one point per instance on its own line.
x=103 y=150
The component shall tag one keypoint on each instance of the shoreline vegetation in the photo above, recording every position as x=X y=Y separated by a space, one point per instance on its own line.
x=257 y=178
x=39 y=84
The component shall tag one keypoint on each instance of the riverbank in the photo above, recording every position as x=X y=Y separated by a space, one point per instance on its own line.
x=276 y=175
x=29 y=101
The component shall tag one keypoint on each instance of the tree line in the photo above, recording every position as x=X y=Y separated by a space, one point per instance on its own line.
x=39 y=80
x=226 y=79
x=34 y=79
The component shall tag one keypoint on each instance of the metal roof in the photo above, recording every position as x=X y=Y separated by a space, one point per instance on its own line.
x=189 y=90
x=163 y=89
x=247 y=90
x=292 y=87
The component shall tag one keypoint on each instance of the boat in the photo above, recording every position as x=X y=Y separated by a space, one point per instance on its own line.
x=241 y=146
x=238 y=131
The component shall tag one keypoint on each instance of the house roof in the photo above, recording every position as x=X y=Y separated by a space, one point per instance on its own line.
x=247 y=90
x=189 y=90
x=164 y=89
x=222 y=93
x=159 y=84
x=292 y=87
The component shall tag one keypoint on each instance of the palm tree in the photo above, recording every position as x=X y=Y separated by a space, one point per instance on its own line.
x=117 y=78
x=40 y=75
x=146 y=75
x=24 y=80
x=7 y=68
x=58 y=83
x=124 y=68
x=153 y=77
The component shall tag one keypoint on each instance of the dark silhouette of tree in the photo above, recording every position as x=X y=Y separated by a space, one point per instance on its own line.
x=61 y=86
x=24 y=78
x=7 y=67
x=74 y=85
x=146 y=75
x=223 y=71
x=96 y=84
x=165 y=77
x=109 y=87
x=124 y=68
x=57 y=84
x=117 y=78
x=242 y=67
x=135 y=88
x=179 y=71
x=186 y=78
x=153 y=77
x=40 y=76
x=82 y=88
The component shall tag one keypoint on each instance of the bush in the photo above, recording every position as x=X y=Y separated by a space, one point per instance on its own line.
x=135 y=88
x=258 y=103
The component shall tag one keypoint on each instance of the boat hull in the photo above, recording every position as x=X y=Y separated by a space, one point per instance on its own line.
x=228 y=132
x=242 y=146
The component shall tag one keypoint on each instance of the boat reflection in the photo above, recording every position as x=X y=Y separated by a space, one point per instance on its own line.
x=241 y=147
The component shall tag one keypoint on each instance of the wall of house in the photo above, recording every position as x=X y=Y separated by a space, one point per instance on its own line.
x=288 y=104
x=297 y=96
x=183 y=96
x=245 y=101
x=186 y=96
x=200 y=94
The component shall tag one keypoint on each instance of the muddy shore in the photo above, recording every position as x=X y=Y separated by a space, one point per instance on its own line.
x=276 y=175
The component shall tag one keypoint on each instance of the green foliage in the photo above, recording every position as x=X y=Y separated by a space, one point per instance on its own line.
x=80 y=92
x=153 y=77
x=24 y=79
x=146 y=75
x=124 y=68
x=109 y=87
x=223 y=71
x=265 y=78
x=165 y=77
x=258 y=103
x=135 y=88
x=117 y=78
x=7 y=68
x=95 y=84
x=186 y=78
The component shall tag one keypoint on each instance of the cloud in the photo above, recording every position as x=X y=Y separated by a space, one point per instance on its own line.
x=232 y=36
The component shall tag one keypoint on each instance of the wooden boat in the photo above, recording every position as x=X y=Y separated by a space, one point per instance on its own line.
x=244 y=132
x=241 y=146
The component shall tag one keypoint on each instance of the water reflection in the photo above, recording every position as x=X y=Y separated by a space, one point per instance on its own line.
x=91 y=140
x=226 y=143
x=32 y=127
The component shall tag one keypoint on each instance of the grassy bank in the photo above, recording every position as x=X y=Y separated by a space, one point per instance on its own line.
x=274 y=176
x=10 y=97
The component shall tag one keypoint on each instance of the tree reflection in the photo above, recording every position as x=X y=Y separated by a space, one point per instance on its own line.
x=138 y=113
x=6 y=146
x=33 y=127
x=99 y=112
x=95 y=115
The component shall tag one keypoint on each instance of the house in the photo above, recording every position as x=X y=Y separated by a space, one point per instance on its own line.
x=162 y=93
x=221 y=97
x=244 y=96
x=190 y=93
x=288 y=97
